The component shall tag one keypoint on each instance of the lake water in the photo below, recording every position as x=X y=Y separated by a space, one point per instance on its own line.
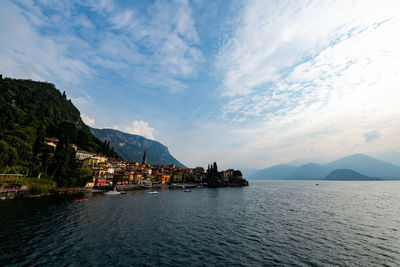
x=268 y=223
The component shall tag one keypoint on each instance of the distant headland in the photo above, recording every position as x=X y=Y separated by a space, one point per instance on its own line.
x=349 y=175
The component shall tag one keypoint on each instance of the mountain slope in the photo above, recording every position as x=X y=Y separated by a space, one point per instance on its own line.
x=366 y=165
x=277 y=172
x=132 y=147
x=310 y=171
x=369 y=166
x=248 y=172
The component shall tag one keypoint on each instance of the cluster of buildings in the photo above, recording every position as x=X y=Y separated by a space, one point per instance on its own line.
x=107 y=171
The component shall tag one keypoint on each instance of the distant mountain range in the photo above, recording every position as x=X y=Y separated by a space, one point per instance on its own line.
x=360 y=163
x=132 y=147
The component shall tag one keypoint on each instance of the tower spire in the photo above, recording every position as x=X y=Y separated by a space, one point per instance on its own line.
x=144 y=157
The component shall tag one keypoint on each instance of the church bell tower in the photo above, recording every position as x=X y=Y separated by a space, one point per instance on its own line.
x=144 y=157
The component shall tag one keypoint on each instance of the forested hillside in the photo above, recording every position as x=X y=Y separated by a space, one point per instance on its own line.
x=31 y=111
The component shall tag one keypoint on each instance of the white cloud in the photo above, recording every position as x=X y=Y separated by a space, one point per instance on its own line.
x=52 y=41
x=83 y=100
x=140 y=128
x=274 y=36
x=27 y=53
x=311 y=79
x=87 y=120
x=158 y=48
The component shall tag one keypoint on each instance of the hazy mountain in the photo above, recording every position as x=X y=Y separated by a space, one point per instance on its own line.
x=248 y=172
x=132 y=147
x=310 y=171
x=277 y=172
x=369 y=166
x=366 y=165
x=349 y=175
x=392 y=157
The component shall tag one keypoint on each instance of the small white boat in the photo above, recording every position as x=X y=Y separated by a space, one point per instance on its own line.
x=187 y=190
x=113 y=192
x=153 y=192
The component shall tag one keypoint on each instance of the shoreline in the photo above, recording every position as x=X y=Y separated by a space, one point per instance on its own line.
x=24 y=192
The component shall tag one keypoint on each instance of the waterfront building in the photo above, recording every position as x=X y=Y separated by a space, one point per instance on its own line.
x=91 y=184
x=177 y=177
x=166 y=178
x=100 y=181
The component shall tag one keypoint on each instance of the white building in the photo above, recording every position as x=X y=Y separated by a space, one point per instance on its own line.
x=80 y=154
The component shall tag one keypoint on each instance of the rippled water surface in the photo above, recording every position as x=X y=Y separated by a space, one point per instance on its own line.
x=267 y=223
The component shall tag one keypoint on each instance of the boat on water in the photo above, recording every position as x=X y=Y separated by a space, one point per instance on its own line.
x=113 y=192
x=153 y=192
x=187 y=190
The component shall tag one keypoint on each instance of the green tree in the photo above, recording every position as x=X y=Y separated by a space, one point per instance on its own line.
x=8 y=155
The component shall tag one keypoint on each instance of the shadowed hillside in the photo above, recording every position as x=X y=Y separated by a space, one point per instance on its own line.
x=132 y=147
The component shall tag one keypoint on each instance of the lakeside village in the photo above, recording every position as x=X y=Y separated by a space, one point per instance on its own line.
x=110 y=172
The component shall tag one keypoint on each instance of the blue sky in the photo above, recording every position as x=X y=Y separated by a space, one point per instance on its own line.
x=248 y=84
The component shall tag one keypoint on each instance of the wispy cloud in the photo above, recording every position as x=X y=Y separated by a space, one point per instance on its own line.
x=313 y=77
x=26 y=52
x=273 y=37
x=155 y=47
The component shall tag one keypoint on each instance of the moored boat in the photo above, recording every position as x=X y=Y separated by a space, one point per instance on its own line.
x=113 y=192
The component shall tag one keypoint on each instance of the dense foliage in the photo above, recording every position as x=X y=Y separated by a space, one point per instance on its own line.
x=31 y=111
x=216 y=178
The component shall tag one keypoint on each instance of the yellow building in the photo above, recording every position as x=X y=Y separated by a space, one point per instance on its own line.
x=90 y=162
x=165 y=178
x=90 y=184
x=101 y=158
x=177 y=177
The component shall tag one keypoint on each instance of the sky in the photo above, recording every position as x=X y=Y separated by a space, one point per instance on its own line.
x=248 y=84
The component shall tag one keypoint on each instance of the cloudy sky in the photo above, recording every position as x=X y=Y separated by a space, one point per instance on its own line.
x=248 y=84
